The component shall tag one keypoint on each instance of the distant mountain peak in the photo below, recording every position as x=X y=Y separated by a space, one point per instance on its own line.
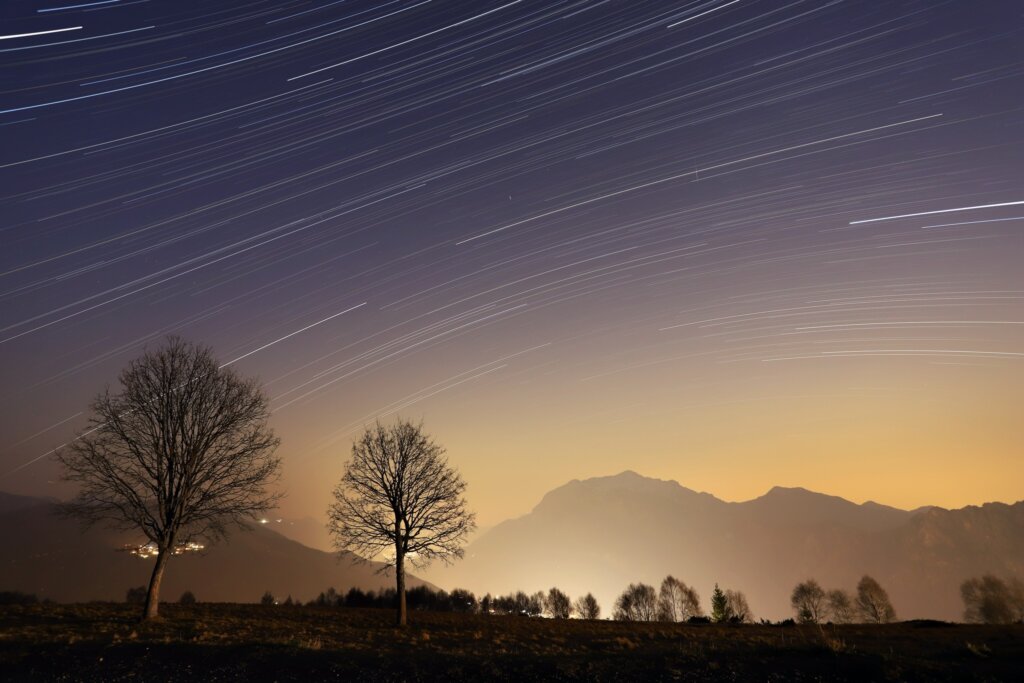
x=801 y=495
x=631 y=478
x=793 y=491
x=627 y=485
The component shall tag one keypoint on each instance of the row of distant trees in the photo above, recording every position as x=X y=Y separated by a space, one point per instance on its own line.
x=554 y=603
x=674 y=601
x=987 y=600
x=812 y=604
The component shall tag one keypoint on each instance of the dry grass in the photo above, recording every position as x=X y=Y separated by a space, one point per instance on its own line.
x=105 y=642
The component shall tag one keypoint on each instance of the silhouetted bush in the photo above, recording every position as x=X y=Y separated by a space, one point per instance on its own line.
x=136 y=596
x=187 y=598
x=17 y=598
x=462 y=601
x=268 y=599
x=699 y=620
x=928 y=623
x=328 y=598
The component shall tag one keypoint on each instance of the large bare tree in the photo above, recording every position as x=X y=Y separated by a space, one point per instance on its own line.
x=181 y=452
x=399 y=499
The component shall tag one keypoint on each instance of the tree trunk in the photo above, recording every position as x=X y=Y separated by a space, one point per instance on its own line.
x=400 y=582
x=153 y=596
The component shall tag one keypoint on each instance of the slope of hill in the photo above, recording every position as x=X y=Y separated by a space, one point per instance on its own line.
x=306 y=530
x=601 y=534
x=53 y=558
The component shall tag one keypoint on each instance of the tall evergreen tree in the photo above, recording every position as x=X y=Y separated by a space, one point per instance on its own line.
x=720 y=611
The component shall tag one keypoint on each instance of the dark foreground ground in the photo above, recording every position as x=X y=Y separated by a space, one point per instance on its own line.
x=219 y=642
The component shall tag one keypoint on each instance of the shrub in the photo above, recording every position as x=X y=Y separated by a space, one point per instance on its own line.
x=187 y=598
x=17 y=598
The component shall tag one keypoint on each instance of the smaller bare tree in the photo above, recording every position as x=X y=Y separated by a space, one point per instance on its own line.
x=808 y=600
x=183 y=451
x=677 y=601
x=872 y=602
x=840 y=605
x=558 y=604
x=739 y=610
x=399 y=495
x=990 y=600
x=587 y=607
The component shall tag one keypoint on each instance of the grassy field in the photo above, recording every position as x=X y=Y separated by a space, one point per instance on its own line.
x=221 y=642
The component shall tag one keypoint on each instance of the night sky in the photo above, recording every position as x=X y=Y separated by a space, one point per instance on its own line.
x=732 y=243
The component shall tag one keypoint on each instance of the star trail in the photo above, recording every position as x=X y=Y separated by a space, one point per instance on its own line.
x=735 y=243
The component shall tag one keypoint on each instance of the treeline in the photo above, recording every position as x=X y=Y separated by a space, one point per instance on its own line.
x=675 y=602
x=987 y=600
x=554 y=603
x=814 y=605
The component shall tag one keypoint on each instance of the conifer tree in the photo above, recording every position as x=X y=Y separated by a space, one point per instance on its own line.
x=719 y=606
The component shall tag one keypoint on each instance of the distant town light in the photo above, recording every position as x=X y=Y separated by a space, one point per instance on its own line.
x=150 y=549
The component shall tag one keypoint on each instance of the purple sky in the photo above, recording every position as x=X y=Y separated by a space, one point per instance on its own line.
x=733 y=243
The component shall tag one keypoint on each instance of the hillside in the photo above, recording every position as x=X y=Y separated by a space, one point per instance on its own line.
x=53 y=558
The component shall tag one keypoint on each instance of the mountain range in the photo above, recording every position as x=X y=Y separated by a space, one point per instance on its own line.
x=597 y=535
x=52 y=557
x=601 y=534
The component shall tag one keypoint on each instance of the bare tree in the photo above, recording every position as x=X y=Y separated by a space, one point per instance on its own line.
x=587 y=607
x=399 y=495
x=183 y=451
x=873 y=602
x=677 y=601
x=737 y=607
x=535 y=604
x=639 y=602
x=990 y=600
x=808 y=600
x=558 y=604
x=840 y=605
